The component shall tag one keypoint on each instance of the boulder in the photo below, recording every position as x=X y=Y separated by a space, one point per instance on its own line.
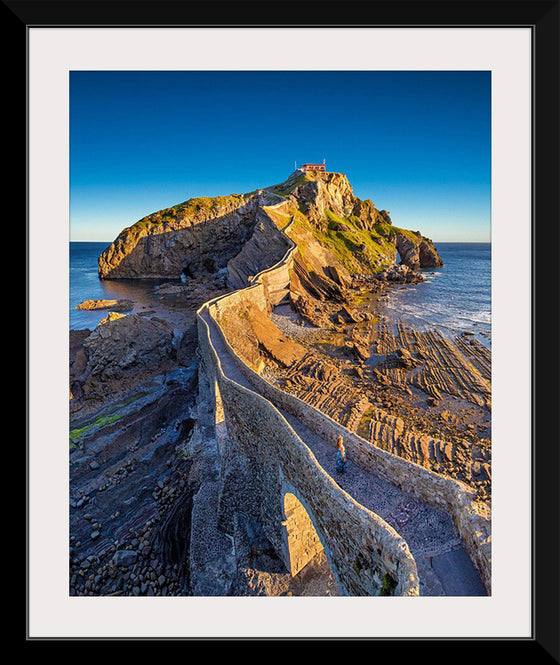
x=122 y=349
x=124 y=558
x=348 y=315
x=405 y=359
x=279 y=347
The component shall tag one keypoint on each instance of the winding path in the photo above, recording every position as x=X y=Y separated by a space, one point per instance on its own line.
x=444 y=567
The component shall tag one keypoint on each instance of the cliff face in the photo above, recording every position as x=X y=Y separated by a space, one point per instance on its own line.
x=199 y=235
x=204 y=235
x=325 y=194
x=266 y=247
x=321 y=193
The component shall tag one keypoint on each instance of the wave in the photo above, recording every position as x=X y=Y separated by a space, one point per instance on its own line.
x=440 y=314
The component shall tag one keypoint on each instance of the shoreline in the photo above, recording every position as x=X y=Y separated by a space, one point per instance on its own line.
x=417 y=393
x=481 y=331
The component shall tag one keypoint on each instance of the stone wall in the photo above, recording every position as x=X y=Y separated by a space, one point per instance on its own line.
x=448 y=494
x=359 y=545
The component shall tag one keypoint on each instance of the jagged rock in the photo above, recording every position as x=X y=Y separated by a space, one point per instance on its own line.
x=308 y=307
x=122 y=348
x=315 y=284
x=266 y=246
x=272 y=340
x=79 y=365
x=349 y=315
x=361 y=351
x=115 y=305
x=252 y=333
x=405 y=359
x=329 y=191
x=416 y=251
x=400 y=274
x=368 y=214
x=112 y=316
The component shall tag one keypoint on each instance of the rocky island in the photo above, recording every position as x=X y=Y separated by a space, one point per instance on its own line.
x=201 y=428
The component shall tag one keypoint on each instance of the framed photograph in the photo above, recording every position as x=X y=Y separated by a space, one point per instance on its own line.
x=295 y=275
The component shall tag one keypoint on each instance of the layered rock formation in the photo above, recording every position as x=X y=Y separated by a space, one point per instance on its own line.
x=200 y=235
x=266 y=246
x=121 y=350
x=416 y=251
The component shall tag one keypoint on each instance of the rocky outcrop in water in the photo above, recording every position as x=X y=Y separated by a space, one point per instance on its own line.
x=114 y=305
x=416 y=251
x=400 y=274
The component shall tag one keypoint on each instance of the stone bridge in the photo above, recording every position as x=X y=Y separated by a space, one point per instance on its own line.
x=386 y=522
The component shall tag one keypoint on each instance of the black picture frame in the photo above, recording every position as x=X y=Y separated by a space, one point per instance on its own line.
x=543 y=19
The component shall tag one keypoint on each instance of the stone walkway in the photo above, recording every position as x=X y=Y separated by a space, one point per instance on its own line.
x=444 y=567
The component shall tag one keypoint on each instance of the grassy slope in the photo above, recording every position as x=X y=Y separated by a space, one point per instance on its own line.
x=358 y=250
x=195 y=206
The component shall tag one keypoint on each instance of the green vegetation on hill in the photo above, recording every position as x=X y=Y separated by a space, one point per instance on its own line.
x=356 y=248
x=280 y=219
x=389 y=231
x=205 y=205
x=286 y=188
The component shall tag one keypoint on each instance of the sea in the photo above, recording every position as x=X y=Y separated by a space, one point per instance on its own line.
x=455 y=298
x=85 y=285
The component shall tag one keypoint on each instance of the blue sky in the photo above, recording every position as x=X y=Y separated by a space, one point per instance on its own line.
x=415 y=143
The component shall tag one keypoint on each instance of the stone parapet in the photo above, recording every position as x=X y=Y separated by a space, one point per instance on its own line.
x=360 y=546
